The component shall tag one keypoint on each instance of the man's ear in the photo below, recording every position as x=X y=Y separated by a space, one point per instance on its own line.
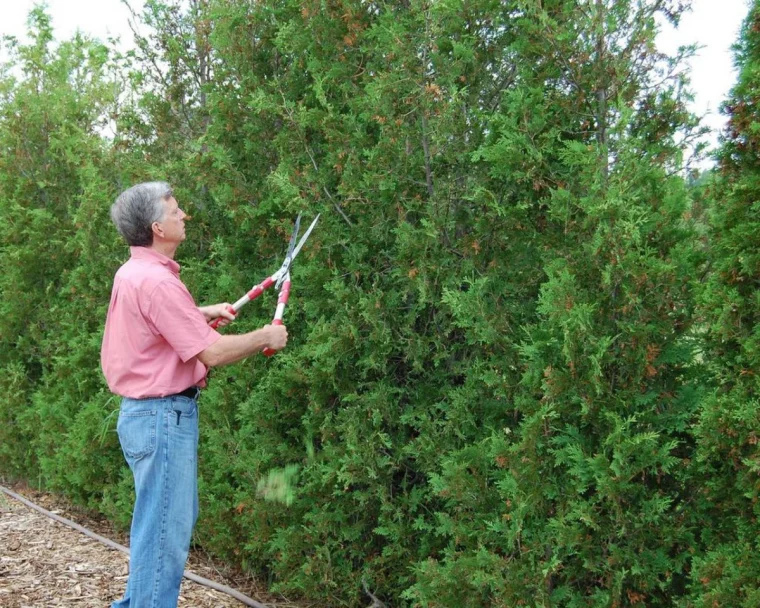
x=157 y=230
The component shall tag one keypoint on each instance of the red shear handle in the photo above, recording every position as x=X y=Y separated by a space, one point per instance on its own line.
x=251 y=295
x=259 y=289
x=268 y=352
x=281 y=302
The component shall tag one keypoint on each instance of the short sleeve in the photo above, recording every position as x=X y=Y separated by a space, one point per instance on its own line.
x=176 y=317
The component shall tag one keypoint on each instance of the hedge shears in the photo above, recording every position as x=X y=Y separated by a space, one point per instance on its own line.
x=280 y=279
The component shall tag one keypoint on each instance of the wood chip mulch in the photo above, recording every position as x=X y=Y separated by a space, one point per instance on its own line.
x=45 y=563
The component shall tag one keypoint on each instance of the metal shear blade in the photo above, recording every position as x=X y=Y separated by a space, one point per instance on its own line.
x=293 y=237
x=293 y=250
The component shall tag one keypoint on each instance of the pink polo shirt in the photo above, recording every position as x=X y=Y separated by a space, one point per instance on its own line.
x=154 y=331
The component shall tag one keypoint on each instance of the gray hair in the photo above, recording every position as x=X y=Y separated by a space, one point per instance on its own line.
x=137 y=208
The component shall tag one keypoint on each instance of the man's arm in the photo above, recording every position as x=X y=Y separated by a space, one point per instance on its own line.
x=230 y=349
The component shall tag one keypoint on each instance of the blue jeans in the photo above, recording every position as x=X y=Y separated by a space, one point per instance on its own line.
x=159 y=438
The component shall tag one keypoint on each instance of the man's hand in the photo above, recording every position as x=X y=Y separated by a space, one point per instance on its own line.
x=229 y=349
x=277 y=336
x=224 y=312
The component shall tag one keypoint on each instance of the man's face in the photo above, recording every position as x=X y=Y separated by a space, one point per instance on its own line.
x=173 y=221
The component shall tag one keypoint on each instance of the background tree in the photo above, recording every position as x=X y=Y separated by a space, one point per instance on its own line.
x=56 y=176
x=726 y=434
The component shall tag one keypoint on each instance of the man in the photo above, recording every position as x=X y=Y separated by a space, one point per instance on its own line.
x=156 y=352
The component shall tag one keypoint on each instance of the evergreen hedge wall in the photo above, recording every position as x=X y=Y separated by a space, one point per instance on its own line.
x=521 y=367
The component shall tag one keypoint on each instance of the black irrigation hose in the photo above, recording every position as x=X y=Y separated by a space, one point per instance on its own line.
x=188 y=575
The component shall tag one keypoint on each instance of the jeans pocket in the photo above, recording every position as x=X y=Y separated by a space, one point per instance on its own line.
x=137 y=433
x=186 y=406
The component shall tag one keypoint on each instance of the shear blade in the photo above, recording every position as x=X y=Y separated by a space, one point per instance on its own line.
x=293 y=237
x=303 y=238
x=293 y=251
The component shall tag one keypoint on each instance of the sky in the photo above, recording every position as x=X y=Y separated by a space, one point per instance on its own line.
x=713 y=24
x=99 y=18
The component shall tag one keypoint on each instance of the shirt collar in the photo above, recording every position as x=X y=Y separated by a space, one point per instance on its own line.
x=151 y=255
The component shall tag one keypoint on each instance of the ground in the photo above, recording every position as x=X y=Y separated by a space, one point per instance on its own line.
x=45 y=563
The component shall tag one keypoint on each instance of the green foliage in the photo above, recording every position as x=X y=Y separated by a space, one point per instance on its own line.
x=498 y=389
x=55 y=181
x=725 y=467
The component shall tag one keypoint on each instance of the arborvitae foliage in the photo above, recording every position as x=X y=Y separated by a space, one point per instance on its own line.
x=726 y=468
x=368 y=114
x=484 y=387
x=54 y=188
x=578 y=498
